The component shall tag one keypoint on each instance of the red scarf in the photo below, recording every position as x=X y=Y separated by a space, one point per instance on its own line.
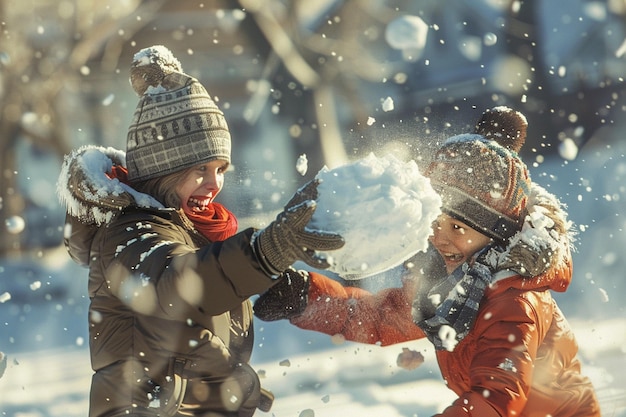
x=216 y=222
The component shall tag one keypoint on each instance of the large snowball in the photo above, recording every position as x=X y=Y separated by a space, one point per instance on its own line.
x=407 y=32
x=383 y=208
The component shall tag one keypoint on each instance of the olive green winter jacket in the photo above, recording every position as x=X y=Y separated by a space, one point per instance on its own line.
x=170 y=323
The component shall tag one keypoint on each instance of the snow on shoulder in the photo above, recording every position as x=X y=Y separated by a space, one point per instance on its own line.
x=382 y=207
x=89 y=193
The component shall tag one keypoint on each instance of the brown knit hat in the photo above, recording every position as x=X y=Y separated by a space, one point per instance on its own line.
x=176 y=124
x=480 y=177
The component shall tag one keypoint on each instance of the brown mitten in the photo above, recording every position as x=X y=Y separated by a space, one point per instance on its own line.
x=287 y=238
x=526 y=261
x=307 y=192
x=544 y=240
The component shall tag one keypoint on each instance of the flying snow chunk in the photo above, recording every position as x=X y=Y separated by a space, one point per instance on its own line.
x=621 y=51
x=382 y=207
x=605 y=295
x=568 y=149
x=302 y=165
x=388 y=104
x=407 y=33
x=15 y=225
x=3 y=363
x=108 y=100
x=490 y=39
x=409 y=359
x=338 y=339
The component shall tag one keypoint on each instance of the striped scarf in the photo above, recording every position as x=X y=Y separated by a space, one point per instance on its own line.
x=455 y=315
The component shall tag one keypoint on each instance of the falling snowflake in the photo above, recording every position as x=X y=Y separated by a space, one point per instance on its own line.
x=507 y=365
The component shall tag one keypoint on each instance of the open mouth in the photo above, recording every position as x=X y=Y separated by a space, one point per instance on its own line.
x=452 y=260
x=198 y=203
x=452 y=257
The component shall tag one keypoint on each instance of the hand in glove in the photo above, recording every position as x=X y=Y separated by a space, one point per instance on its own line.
x=286 y=299
x=287 y=238
x=307 y=192
x=543 y=239
x=519 y=257
x=527 y=261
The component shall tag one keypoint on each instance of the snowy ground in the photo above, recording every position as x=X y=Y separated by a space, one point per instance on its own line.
x=345 y=380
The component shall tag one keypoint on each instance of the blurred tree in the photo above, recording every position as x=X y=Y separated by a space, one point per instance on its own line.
x=45 y=48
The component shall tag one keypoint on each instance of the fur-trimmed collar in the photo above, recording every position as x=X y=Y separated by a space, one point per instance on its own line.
x=92 y=196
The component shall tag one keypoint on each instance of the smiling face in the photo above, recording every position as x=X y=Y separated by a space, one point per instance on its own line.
x=455 y=241
x=201 y=185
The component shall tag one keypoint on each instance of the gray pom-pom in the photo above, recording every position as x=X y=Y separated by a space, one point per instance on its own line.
x=505 y=126
x=150 y=66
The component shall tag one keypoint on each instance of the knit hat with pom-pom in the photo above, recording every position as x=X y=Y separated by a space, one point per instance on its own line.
x=480 y=176
x=176 y=124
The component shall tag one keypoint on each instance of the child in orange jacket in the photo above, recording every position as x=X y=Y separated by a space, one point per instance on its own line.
x=480 y=294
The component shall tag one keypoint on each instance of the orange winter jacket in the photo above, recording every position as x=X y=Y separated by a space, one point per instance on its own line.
x=518 y=360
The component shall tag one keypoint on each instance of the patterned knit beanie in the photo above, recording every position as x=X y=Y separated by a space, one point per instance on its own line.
x=176 y=124
x=480 y=177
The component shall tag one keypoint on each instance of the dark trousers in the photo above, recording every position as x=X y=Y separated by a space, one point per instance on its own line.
x=122 y=389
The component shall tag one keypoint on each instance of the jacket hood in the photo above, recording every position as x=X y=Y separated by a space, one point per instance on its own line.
x=541 y=251
x=92 y=196
x=89 y=190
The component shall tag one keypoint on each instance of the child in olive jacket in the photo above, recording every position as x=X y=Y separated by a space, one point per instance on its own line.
x=480 y=294
x=170 y=323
